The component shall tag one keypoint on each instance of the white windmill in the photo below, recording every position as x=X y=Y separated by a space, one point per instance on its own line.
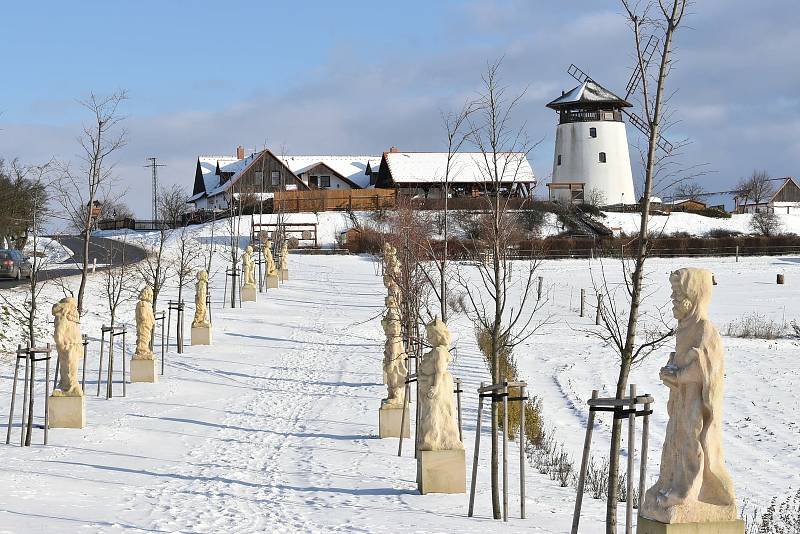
x=591 y=152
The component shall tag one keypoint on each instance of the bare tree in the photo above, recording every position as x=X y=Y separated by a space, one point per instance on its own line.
x=757 y=188
x=457 y=133
x=171 y=203
x=78 y=192
x=689 y=190
x=118 y=279
x=507 y=319
x=189 y=253
x=154 y=269
x=766 y=223
x=645 y=17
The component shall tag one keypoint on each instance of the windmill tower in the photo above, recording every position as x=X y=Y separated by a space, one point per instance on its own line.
x=591 y=151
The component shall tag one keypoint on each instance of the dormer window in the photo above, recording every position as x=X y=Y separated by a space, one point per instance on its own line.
x=602 y=157
x=592 y=132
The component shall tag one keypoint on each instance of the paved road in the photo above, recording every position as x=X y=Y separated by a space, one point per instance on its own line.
x=107 y=251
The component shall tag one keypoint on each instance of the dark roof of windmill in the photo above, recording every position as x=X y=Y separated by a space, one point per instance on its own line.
x=588 y=93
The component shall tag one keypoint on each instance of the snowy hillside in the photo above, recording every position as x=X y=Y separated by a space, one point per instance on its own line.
x=274 y=427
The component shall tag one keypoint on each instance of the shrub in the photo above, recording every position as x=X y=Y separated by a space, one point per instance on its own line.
x=718 y=233
x=713 y=212
x=755 y=326
x=766 y=223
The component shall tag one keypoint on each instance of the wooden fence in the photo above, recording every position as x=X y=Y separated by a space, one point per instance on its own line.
x=334 y=200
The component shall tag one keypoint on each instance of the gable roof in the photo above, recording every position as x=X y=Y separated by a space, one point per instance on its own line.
x=211 y=165
x=465 y=167
x=780 y=189
x=351 y=169
x=589 y=92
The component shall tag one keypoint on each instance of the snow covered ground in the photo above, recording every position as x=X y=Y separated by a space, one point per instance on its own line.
x=274 y=427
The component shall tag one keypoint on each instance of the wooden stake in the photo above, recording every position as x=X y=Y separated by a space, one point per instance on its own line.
x=505 y=452
x=631 y=458
x=583 y=301
x=599 y=307
x=522 y=462
x=13 y=396
x=476 y=455
x=643 y=461
x=458 y=405
x=587 y=444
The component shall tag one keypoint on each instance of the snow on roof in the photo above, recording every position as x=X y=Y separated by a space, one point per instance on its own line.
x=208 y=166
x=352 y=168
x=465 y=167
x=589 y=92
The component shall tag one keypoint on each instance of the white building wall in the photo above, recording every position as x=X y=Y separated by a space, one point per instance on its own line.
x=580 y=159
x=336 y=182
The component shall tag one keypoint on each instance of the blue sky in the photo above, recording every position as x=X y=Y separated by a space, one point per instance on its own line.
x=358 y=77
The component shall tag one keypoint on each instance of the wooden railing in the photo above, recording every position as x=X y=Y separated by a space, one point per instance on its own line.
x=334 y=200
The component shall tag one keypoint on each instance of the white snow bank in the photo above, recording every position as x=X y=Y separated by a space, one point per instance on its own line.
x=693 y=224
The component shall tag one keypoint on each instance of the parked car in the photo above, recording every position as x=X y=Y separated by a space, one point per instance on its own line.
x=13 y=264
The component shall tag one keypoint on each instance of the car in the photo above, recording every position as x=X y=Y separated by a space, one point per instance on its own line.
x=14 y=264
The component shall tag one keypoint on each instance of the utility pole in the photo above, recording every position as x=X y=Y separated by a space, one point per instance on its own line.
x=154 y=166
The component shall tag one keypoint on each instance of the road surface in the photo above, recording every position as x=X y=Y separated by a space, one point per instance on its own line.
x=107 y=251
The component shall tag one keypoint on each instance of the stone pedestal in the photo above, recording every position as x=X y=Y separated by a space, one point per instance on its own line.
x=441 y=472
x=272 y=282
x=248 y=294
x=143 y=371
x=201 y=335
x=66 y=412
x=284 y=274
x=648 y=526
x=389 y=420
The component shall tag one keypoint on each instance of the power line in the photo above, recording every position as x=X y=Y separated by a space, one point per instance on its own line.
x=154 y=166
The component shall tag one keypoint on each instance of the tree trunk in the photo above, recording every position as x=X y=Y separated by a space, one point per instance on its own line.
x=85 y=268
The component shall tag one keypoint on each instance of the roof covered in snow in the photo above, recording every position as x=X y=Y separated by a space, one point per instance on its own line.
x=589 y=92
x=209 y=164
x=352 y=168
x=465 y=167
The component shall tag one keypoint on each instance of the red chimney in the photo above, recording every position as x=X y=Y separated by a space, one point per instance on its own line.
x=394 y=150
x=240 y=152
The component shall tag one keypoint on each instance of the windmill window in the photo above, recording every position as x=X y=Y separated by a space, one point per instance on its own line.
x=592 y=132
x=559 y=160
x=602 y=157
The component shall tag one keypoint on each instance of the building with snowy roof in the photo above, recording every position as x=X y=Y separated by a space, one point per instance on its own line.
x=424 y=174
x=218 y=179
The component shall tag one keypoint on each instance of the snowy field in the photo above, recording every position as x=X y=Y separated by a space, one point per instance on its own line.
x=274 y=427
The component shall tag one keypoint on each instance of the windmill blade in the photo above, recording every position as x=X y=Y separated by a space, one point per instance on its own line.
x=577 y=73
x=647 y=55
x=643 y=127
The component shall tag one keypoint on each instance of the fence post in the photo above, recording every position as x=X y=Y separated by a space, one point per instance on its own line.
x=539 y=290
x=599 y=307
x=737 y=253
x=583 y=301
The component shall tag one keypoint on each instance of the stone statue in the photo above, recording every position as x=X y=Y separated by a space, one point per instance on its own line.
x=200 y=295
x=145 y=321
x=270 y=261
x=248 y=268
x=284 y=256
x=394 y=360
x=69 y=345
x=694 y=485
x=438 y=424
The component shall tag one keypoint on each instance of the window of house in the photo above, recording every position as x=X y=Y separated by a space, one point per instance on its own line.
x=602 y=157
x=324 y=181
x=558 y=160
x=276 y=177
x=259 y=177
x=592 y=132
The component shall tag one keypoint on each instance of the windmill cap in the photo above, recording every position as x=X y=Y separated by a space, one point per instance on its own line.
x=588 y=93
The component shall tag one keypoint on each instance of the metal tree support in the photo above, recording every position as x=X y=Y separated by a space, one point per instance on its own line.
x=625 y=408
x=500 y=393
x=233 y=274
x=31 y=355
x=410 y=379
x=113 y=331
x=178 y=307
x=458 y=391
x=160 y=317
x=208 y=304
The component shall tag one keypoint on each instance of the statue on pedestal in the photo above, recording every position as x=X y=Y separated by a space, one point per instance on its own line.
x=438 y=424
x=248 y=268
x=145 y=322
x=394 y=360
x=284 y=256
x=67 y=336
x=200 y=296
x=269 y=260
x=694 y=485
